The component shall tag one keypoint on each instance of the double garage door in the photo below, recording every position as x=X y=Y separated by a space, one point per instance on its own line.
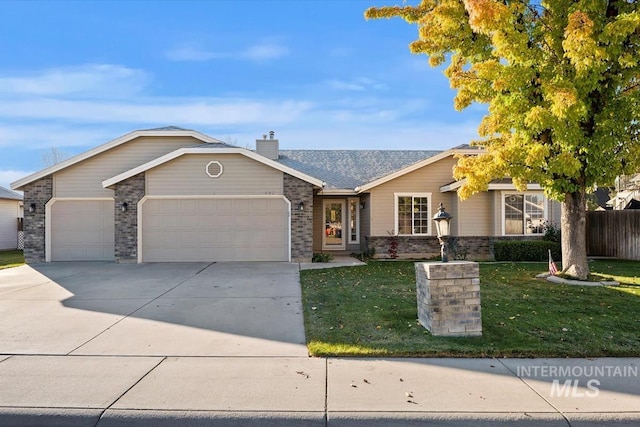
x=176 y=230
x=215 y=229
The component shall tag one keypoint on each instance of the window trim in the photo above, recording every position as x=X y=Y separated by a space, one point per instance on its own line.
x=357 y=220
x=503 y=196
x=395 y=216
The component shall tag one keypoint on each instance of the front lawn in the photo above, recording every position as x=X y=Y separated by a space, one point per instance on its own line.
x=11 y=259
x=371 y=311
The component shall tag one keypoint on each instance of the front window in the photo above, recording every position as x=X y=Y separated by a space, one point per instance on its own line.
x=354 y=220
x=524 y=213
x=412 y=214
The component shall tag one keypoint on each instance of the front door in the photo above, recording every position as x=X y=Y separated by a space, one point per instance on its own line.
x=333 y=237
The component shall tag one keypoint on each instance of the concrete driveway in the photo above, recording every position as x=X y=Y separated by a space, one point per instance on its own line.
x=177 y=309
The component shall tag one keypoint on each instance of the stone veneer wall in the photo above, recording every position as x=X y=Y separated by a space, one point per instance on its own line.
x=129 y=191
x=298 y=191
x=38 y=192
x=477 y=247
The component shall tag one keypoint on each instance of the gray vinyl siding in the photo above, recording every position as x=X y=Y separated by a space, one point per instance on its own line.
x=424 y=180
x=9 y=212
x=473 y=216
x=84 y=179
x=186 y=175
x=365 y=221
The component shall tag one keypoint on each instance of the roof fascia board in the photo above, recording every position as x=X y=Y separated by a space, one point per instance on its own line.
x=104 y=147
x=337 y=192
x=496 y=186
x=414 y=167
x=451 y=187
x=182 y=151
x=505 y=186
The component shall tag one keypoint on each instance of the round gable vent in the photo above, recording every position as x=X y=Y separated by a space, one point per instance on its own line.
x=214 y=169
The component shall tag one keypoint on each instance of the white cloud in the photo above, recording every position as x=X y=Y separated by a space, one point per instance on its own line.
x=264 y=51
x=358 y=84
x=185 y=111
x=7 y=176
x=104 y=80
x=195 y=52
x=191 y=52
x=331 y=135
x=37 y=135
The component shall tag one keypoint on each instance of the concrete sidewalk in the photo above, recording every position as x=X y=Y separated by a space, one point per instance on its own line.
x=300 y=391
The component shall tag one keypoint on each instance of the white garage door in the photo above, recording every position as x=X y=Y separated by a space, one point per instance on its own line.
x=233 y=229
x=82 y=230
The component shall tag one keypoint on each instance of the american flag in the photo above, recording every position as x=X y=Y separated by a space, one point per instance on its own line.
x=553 y=268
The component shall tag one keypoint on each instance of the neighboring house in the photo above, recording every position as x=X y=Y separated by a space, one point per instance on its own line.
x=10 y=217
x=172 y=194
x=627 y=194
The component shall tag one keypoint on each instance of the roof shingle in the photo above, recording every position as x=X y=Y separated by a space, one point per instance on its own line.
x=5 y=193
x=348 y=169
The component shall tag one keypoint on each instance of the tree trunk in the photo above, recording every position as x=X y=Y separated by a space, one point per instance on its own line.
x=574 y=240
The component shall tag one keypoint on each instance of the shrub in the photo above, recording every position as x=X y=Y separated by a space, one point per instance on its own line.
x=526 y=250
x=322 y=257
x=393 y=245
x=365 y=255
x=551 y=232
x=457 y=251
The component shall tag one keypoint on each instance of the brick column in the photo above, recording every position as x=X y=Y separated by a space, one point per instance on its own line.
x=449 y=298
x=130 y=192
x=37 y=193
x=297 y=190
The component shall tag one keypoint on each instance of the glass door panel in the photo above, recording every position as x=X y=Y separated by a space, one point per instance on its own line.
x=333 y=237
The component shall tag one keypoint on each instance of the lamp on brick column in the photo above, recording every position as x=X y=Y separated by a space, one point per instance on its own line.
x=442 y=220
x=301 y=206
x=124 y=207
x=32 y=208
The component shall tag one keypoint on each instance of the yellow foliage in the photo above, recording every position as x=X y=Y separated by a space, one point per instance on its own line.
x=561 y=79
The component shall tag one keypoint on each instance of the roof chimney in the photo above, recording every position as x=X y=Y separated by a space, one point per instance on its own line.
x=268 y=148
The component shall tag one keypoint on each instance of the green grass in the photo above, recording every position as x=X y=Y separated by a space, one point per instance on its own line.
x=10 y=259
x=371 y=311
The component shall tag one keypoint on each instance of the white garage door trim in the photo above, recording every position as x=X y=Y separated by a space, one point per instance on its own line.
x=222 y=197
x=47 y=215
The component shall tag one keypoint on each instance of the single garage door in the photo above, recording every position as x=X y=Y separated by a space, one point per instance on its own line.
x=82 y=230
x=216 y=229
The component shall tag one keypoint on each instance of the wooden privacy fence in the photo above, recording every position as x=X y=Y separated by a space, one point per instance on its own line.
x=614 y=234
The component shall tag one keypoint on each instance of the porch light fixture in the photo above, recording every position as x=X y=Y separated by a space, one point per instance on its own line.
x=32 y=208
x=124 y=207
x=362 y=205
x=442 y=220
x=301 y=206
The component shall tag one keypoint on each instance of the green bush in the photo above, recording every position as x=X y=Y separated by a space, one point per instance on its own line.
x=526 y=250
x=322 y=257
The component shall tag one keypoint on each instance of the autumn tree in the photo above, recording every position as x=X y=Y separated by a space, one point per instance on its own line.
x=561 y=79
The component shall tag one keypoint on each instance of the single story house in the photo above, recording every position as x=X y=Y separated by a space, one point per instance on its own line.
x=172 y=194
x=10 y=218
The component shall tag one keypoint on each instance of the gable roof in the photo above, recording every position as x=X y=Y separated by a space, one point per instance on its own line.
x=462 y=149
x=348 y=169
x=7 y=194
x=166 y=131
x=217 y=148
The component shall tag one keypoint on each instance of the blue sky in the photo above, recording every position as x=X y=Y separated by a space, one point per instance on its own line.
x=74 y=75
